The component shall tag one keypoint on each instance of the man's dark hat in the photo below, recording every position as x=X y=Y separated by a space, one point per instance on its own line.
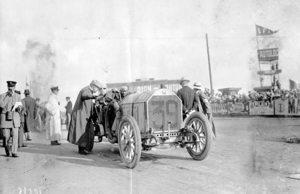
x=68 y=98
x=54 y=88
x=26 y=92
x=11 y=83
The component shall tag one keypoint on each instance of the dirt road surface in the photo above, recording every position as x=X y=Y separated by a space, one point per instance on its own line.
x=249 y=156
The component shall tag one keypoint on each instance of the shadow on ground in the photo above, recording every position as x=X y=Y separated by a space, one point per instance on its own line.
x=68 y=153
x=104 y=155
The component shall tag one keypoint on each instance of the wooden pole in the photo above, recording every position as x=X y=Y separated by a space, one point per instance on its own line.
x=260 y=76
x=210 y=77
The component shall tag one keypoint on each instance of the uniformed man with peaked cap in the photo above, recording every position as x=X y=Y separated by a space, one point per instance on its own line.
x=10 y=103
x=53 y=122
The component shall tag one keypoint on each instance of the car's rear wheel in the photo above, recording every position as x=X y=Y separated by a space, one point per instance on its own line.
x=199 y=124
x=129 y=141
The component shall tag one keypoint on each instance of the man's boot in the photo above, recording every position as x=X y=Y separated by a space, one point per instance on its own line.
x=7 y=151
x=82 y=150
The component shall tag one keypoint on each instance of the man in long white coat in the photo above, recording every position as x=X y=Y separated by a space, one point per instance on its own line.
x=53 y=125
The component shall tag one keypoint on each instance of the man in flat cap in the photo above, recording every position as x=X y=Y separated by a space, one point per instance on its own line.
x=81 y=130
x=188 y=97
x=68 y=108
x=53 y=123
x=10 y=104
x=29 y=103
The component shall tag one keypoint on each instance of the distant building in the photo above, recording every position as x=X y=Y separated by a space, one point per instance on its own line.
x=141 y=85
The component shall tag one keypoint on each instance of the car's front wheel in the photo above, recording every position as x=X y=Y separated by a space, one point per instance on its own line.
x=202 y=138
x=129 y=141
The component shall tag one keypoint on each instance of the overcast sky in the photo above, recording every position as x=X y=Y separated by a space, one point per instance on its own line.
x=68 y=43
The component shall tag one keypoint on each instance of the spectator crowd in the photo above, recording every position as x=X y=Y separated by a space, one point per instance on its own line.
x=266 y=96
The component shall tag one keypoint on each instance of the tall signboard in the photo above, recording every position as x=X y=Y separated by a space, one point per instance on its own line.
x=267 y=55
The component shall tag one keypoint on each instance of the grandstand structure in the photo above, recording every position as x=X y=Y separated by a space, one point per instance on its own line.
x=229 y=91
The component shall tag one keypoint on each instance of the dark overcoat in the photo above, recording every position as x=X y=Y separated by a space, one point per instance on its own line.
x=30 y=109
x=81 y=118
x=189 y=98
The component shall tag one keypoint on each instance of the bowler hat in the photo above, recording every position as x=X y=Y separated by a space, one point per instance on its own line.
x=197 y=85
x=11 y=83
x=26 y=92
x=183 y=79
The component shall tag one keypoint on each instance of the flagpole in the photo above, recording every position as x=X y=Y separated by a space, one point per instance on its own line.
x=257 y=55
x=210 y=77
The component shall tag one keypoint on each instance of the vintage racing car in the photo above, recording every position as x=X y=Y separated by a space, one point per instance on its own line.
x=154 y=118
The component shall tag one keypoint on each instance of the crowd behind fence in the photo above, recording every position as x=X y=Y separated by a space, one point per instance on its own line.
x=274 y=102
x=252 y=96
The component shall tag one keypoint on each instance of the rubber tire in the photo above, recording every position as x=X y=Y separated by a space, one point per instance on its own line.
x=137 y=138
x=91 y=138
x=205 y=122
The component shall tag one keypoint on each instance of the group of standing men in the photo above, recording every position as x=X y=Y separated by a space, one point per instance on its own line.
x=194 y=100
x=17 y=118
x=18 y=115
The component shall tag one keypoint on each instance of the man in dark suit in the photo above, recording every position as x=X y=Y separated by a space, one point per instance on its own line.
x=10 y=103
x=190 y=100
x=68 y=112
x=30 y=111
